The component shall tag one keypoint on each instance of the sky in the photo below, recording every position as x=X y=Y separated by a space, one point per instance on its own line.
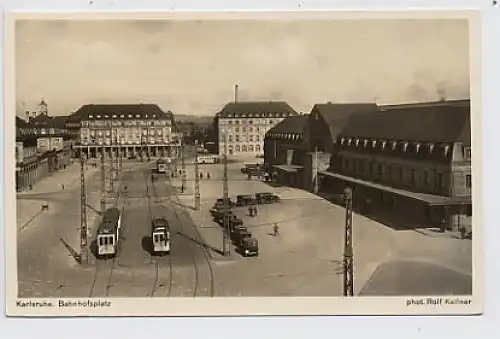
x=191 y=67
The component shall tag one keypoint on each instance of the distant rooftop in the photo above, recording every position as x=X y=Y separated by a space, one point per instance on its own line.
x=257 y=109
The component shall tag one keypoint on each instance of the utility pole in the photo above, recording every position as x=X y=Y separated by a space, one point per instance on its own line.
x=225 y=197
x=183 y=163
x=84 y=255
x=196 y=183
x=316 y=183
x=111 y=160
x=103 y=181
x=348 y=249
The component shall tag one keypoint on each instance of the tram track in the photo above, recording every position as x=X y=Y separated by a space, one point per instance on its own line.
x=158 y=269
x=104 y=269
x=200 y=245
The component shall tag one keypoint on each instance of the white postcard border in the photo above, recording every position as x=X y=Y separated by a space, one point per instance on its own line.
x=242 y=305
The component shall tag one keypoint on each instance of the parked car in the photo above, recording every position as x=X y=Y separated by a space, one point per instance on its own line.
x=239 y=237
x=244 y=200
x=249 y=247
x=220 y=202
x=266 y=198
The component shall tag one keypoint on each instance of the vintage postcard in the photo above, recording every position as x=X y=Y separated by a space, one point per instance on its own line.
x=281 y=163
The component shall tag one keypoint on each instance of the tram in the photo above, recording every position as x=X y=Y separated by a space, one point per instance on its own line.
x=160 y=235
x=108 y=233
x=161 y=165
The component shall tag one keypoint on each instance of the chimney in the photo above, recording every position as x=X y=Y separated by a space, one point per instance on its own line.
x=235 y=93
x=27 y=113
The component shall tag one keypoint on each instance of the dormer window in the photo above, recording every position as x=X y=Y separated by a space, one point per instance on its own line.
x=349 y=141
x=394 y=145
x=382 y=144
x=137 y=115
x=467 y=153
x=365 y=143
x=98 y=116
x=114 y=116
x=431 y=148
x=342 y=141
x=417 y=147
x=122 y=116
x=130 y=115
x=446 y=149
x=91 y=116
x=405 y=146
x=374 y=143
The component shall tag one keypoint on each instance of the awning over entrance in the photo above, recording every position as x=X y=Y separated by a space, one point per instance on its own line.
x=288 y=168
x=428 y=198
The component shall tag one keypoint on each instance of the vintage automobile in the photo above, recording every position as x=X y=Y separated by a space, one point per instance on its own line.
x=233 y=219
x=220 y=202
x=238 y=237
x=249 y=247
x=244 y=200
x=266 y=198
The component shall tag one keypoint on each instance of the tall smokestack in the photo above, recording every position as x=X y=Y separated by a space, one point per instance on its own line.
x=235 y=93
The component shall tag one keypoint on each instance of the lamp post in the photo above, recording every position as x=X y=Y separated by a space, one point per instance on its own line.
x=348 y=248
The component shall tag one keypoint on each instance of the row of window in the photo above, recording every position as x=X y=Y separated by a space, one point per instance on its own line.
x=261 y=130
x=158 y=131
x=396 y=173
x=244 y=148
x=243 y=138
x=123 y=142
x=257 y=115
x=401 y=146
x=165 y=122
x=251 y=121
x=43 y=131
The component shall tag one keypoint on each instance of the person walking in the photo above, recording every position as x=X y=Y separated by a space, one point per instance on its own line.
x=276 y=230
x=201 y=176
x=255 y=213
x=208 y=175
x=250 y=210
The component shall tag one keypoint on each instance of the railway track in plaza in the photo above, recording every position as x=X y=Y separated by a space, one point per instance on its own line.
x=160 y=284
x=104 y=269
x=197 y=270
x=164 y=287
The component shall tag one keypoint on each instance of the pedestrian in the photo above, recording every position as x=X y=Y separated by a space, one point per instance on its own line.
x=182 y=188
x=62 y=186
x=250 y=210
x=276 y=230
x=208 y=175
x=201 y=175
x=255 y=210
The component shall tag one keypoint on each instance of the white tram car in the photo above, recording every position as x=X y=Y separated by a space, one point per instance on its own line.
x=108 y=233
x=160 y=236
x=161 y=166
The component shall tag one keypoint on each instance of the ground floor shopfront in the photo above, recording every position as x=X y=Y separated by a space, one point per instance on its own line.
x=92 y=152
x=405 y=209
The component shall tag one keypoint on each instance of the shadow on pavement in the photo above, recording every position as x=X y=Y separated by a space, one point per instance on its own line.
x=147 y=245
x=415 y=278
x=211 y=248
x=72 y=252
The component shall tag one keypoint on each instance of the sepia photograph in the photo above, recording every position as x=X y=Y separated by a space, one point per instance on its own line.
x=236 y=164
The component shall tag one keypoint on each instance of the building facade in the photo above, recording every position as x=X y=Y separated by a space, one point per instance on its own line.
x=243 y=125
x=413 y=160
x=285 y=150
x=129 y=131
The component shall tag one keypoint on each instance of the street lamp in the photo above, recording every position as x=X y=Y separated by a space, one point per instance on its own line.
x=348 y=248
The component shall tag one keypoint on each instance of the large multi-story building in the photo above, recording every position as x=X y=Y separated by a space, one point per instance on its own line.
x=243 y=125
x=415 y=160
x=126 y=130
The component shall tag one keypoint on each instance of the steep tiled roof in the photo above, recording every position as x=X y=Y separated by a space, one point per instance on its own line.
x=20 y=123
x=463 y=102
x=420 y=123
x=336 y=115
x=256 y=109
x=291 y=125
x=122 y=112
x=48 y=122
